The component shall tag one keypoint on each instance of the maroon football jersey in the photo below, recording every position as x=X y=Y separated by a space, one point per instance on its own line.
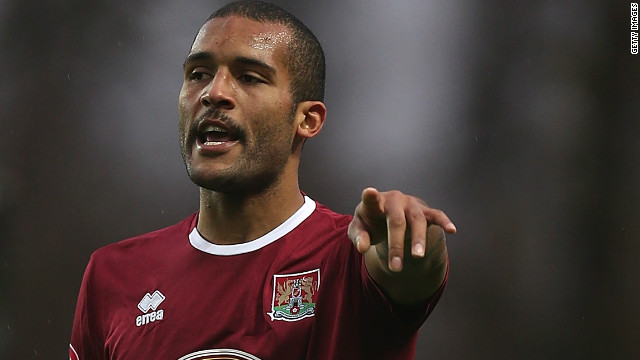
x=299 y=292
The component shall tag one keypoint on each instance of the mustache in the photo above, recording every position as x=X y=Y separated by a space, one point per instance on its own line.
x=215 y=113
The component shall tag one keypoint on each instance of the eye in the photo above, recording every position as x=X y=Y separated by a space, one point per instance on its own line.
x=198 y=75
x=250 y=79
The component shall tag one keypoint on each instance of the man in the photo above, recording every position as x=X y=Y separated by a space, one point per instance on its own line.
x=261 y=271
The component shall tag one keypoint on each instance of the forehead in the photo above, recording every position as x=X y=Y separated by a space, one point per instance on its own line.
x=240 y=34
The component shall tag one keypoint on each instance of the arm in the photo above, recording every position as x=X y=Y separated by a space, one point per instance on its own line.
x=403 y=243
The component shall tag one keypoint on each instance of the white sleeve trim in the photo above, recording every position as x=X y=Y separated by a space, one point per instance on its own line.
x=74 y=353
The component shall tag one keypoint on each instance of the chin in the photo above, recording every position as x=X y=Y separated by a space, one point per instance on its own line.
x=211 y=182
x=229 y=184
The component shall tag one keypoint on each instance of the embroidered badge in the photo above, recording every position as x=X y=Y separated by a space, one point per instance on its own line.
x=294 y=295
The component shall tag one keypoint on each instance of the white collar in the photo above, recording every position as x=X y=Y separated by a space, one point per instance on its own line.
x=198 y=242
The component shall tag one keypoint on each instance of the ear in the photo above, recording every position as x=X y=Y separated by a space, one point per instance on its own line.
x=309 y=118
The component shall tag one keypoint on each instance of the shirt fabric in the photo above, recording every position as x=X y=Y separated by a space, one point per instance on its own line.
x=301 y=291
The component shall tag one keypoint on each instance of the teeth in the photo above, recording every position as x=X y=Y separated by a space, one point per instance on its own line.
x=214 y=128
x=211 y=143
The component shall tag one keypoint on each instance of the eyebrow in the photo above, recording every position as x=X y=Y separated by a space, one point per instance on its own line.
x=207 y=56
x=200 y=55
x=255 y=62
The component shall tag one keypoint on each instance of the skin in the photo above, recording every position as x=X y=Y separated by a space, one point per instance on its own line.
x=403 y=242
x=236 y=76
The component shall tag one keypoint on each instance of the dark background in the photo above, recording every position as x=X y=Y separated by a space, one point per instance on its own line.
x=519 y=119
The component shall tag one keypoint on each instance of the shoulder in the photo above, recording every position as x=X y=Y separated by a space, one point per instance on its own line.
x=327 y=232
x=323 y=216
x=161 y=240
x=327 y=227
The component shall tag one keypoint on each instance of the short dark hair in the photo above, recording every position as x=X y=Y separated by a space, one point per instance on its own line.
x=305 y=56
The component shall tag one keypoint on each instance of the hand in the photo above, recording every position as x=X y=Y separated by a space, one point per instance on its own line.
x=382 y=219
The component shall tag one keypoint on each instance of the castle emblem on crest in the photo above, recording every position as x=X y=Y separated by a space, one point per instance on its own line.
x=294 y=295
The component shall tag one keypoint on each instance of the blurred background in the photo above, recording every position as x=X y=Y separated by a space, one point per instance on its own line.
x=520 y=119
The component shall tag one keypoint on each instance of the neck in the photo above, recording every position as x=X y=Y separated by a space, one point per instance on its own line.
x=234 y=218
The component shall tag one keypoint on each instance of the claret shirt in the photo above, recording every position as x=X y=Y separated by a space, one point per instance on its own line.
x=301 y=291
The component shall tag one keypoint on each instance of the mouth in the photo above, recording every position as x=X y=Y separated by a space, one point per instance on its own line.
x=214 y=136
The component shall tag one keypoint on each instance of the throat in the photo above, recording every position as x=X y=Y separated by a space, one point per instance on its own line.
x=232 y=219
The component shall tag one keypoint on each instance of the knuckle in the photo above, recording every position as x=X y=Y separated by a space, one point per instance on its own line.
x=416 y=215
x=413 y=200
x=397 y=221
x=394 y=194
x=396 y=248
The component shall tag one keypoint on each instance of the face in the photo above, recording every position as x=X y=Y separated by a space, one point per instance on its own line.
x=235 y=107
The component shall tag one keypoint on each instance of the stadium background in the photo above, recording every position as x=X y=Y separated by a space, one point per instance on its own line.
x=519 y=119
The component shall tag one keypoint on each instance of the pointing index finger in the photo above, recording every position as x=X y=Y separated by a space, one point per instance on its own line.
x=372 y=202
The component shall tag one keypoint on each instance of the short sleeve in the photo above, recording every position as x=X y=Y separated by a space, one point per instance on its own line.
x=86 y=334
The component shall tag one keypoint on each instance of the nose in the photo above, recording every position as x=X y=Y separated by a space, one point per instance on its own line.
x=219 y=92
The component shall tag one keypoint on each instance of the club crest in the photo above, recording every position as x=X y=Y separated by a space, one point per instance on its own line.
x=294 y=295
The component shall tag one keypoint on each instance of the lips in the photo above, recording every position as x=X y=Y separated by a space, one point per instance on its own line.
x=215 y=136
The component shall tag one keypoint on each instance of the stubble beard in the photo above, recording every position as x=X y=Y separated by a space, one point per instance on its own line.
x=257 y=169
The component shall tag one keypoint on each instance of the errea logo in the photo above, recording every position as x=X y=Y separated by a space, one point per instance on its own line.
x=150 y=302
